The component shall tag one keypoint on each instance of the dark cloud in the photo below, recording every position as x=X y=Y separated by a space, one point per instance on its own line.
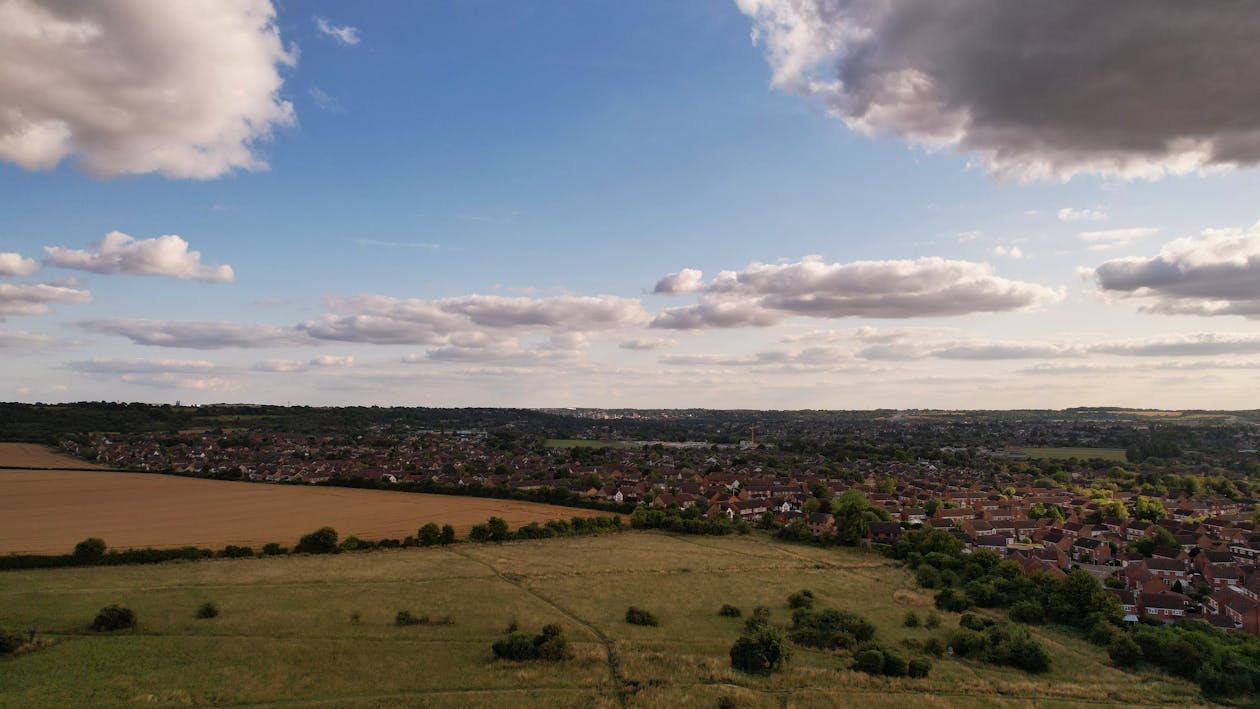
x=1037 y=89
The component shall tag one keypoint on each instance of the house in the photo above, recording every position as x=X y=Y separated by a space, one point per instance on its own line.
x=1167 y=606
x=883 y=532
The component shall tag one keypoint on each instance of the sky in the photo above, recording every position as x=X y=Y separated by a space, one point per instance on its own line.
x=777 y=204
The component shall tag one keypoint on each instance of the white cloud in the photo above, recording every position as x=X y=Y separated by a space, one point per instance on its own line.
x=166 y=255
x=1214 y=273
x=1188 y=345
x=184 y=89
x=1069 y=214
x=339 y=361
x=34 y=298
x=281 y=365
x=688 y=280
x=1115 y=238
x=12 y=264
x=1011 y=252
x=143 y=366
x=1037 y=90
x=196 y=334
x=344 y=35
x=763 y=295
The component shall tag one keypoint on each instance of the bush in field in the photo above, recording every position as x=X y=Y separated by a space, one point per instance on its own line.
x=274 y=549
x=801 y=599
x=90 y=549
x=761 y=652
x=1001 y=644
x=321 y=541
x=1124 y=652
x=759 y=617
x=911 y=620
x=480 y=532
x=933 y=620
x=1030 y=612
x=429 y=535
x=934 y=647
x=829 y=629
x=638 y=616
x=10 y=641
x=547 y=645
x=729 y=611
x=919 y=668
x=207 y=610
x=405 y=618
x=448 y=535
x=114 y=618
x=870 y=661
x=232 y=551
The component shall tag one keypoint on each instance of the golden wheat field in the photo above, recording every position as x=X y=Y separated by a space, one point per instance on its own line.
x=49 y=511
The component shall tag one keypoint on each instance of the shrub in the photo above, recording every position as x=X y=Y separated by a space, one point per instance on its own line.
x=729 y=611
x=952 y=601
x=114 y=618
x=1124 y=652
x=934 y=647
x=894 y=664
x=759 y=617
x=761 y=652
x=870 y=661
x=933 y=620
x=911 y=619
x=351 y=543
x=928 y=576
x=919 y=667
x=830 y=629
x=321 y=541
x=207 y=610
x=90 y=549
x=274 y=549
x=448 y=535
x=232 y=551
x=1103 y=633
x=480 y=532
x=355 y=617
x=970 y=621
x=1028 y=612
x=547 y=645
x=638 y=616
x=801 y=599
x=10 y=641
x=429 y=535
x=405 y=618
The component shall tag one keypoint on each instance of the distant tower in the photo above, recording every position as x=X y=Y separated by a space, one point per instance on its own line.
x=754 y=435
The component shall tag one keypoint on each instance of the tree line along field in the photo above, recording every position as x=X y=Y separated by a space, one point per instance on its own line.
x=1113 y=454
x=285 y=634
x=48 y=511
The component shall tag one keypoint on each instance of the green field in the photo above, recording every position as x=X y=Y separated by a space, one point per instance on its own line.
x=1116 y=454
x=584 y=443
x=285 y=636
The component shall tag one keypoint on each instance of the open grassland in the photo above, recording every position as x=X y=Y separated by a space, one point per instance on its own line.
x=285 y=636
x=585 y=443
x=49 y=511
x=1116 y=454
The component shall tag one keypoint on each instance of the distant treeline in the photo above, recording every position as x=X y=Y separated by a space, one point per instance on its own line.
x=14 y=562
x=545 y=495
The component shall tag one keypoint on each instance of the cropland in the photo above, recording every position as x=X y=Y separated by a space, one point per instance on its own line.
x=47 y=511
x=319 y=631
x=1115 y=454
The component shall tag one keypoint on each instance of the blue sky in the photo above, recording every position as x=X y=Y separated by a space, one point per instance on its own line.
x=476 y=203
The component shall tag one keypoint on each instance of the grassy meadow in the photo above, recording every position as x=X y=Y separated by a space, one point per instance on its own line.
x=1115 y=454
x=285 y=636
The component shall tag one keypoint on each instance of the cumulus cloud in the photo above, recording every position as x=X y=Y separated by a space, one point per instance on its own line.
x=166 y=255
x=1012 y=252
x=34 y=298
x=688 y=280
x=196 y=334
x=344 y=35
x=1070 y=214
x=1037 y=90
x=1214 y=273
x=385 y=320
x=12 y=264
x=184 y=89
x=333 y=361
x=1114 y=238
x=763 y=295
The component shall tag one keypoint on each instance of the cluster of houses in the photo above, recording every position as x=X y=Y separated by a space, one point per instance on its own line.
x=1210 y=569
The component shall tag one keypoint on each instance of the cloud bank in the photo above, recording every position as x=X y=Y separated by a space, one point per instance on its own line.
x=1036 y=90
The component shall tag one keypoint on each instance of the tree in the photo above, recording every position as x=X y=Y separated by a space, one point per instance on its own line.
x=448 y=535
x=90 y=549
x=1149 y=509
x=498 y=529
x=321 y=541
x=114 y=618
x=429 y=534
x=763 y=651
